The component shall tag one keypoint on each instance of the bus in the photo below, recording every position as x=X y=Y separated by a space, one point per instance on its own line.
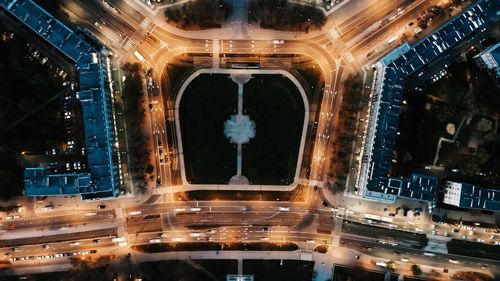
x=139 y=56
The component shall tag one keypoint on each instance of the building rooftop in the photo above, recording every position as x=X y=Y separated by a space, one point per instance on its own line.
x=38 y=181
x=490 y=59
x=95 y=99
x=471 y=196
x=392 y=70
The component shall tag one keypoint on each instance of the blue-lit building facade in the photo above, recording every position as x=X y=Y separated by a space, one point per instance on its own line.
x=91 y=59
x=489 y=59
x=374 y=181
x=471 y=196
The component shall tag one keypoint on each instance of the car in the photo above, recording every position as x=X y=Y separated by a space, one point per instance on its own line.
x=357 y=257
x=278 y=41
x=102 y=206
x=324 y=203
x=93 y=251
x=96 y=240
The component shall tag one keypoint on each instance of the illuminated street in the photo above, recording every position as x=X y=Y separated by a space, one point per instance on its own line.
x=387 y=215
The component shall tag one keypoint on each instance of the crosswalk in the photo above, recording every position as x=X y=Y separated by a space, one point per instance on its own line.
x=148 y=25
x=349 y=57
x=334 y=34
x=215 y=53
x=145 y=23
x=130 y=43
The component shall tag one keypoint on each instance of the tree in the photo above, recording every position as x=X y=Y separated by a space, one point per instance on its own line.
x=283 y=15
x=199 y=14
x=415 y=269
x=134 y=103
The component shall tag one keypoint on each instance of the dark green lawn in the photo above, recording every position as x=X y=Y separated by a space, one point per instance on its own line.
x=271 y=270
x=207 y=103
x=275 y=105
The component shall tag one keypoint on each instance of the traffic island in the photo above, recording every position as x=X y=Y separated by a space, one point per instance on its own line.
x=323 y=248
x=342 y=273
x=273 y=270
x=386 y=236
x=212 y=246
x=473 y=249
x=187 y=270
x=297 y=195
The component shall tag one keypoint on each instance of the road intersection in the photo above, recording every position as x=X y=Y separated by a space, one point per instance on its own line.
x=339 y=49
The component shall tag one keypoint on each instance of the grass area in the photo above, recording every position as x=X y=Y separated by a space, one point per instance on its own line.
x=473 y=249
x=416 y=240
x=175 y=73
x=207 y=103
x=471 y=275
x=49 y=276
x=187 y=270
x=342 y=273
x=102 y=270
x=212 y=246
x=199 y=14
x=273 y=270
x=274 y=103
x=297 y=195
x=284 y=15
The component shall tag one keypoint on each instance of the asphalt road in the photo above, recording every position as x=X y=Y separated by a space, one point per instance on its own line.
x=125 y=29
